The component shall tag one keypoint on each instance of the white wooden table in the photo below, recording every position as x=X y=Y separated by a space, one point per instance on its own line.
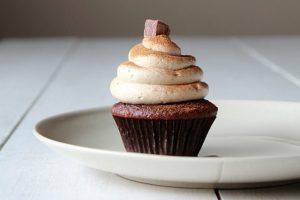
x=42 y=77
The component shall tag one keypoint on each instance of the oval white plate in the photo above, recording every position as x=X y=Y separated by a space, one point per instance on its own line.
x=251 y=144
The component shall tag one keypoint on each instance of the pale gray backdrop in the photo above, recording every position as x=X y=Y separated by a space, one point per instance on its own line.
x=126 y=17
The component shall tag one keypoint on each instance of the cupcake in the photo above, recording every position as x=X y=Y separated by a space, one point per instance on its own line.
x=162 y=109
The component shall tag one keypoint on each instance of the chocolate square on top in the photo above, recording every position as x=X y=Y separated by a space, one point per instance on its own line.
x=155 y=27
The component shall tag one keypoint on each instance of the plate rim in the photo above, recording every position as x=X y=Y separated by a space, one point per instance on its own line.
x=47 y=140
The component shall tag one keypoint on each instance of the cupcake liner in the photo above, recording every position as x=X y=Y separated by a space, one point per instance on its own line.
x=165 y=137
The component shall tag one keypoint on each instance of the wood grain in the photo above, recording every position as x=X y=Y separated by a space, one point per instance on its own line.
x=234 y=74
x=26 y=66
x=29 y=170
x=288 y=192
x=281 y=55
x=282 y=51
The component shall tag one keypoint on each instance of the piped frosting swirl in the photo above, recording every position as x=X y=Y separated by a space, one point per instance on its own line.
x=157 y=73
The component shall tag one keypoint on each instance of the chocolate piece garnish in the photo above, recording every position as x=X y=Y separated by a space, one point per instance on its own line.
x=155 y=27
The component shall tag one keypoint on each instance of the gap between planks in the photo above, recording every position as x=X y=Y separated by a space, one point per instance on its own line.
x=217 y=193
x=52 y=77
x=266 y=62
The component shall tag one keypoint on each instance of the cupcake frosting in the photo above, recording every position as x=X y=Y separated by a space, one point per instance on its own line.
x=157 y=73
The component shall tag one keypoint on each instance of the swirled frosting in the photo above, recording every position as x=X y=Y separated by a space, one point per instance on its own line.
x=157 y=73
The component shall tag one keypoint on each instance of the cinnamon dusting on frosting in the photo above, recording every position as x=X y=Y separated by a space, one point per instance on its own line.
x=161 y=43
x=140 y=50
x=157 y=72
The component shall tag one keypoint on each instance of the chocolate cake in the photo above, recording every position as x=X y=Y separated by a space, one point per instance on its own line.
x=166 y=129
x=196 y=109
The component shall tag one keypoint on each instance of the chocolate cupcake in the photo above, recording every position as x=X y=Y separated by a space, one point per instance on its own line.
x=162 y=109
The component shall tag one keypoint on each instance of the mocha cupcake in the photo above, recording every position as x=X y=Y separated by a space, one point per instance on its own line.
x=162 y=109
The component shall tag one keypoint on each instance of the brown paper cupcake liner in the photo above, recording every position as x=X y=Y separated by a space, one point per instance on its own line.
x=165 y=137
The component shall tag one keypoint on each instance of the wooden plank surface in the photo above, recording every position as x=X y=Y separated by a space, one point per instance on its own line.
x=288 y=192
x=281 y=56
x=282 y=52
x=233 y=74
x=29 y=170
x=26 y=66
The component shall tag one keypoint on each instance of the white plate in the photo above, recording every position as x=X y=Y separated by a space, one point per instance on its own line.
x=251 y=144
